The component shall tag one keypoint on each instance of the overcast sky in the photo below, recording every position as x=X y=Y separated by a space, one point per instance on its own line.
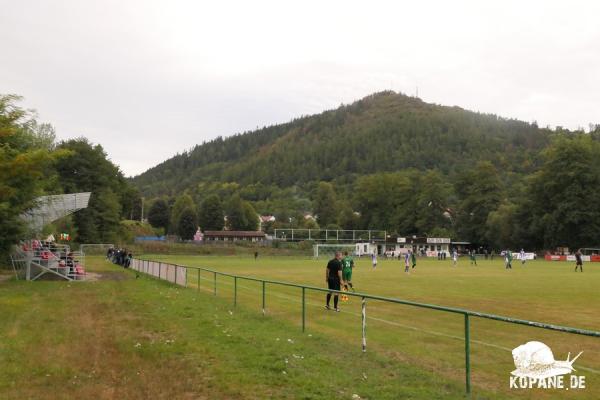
x=147 y=79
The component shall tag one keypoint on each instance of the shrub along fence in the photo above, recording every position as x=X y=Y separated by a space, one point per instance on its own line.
x=178 y=274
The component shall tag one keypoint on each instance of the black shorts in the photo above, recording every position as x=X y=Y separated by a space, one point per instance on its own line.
x=333 y=284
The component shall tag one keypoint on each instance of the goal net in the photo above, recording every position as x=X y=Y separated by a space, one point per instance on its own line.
x=328 y=250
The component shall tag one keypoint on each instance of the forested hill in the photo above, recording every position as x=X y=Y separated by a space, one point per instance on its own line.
x=392 y=162
x=383 y=132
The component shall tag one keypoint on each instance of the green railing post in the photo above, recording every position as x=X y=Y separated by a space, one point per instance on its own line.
x=175 y=282
x=235 y=291
x=303 y=308
x=263 y=297
x=467 y=355
x=215 y=284
x=159 y=268
x=198 y=279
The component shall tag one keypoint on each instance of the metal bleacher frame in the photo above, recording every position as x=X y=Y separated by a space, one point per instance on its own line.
x=34 y=261
x=35 y=258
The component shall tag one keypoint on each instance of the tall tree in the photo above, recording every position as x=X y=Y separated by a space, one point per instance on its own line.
x=564 y=200
x=325 y=206
x=501 y=227
x=433 y=204
x=241 y=216
x=181 y=203
x=347 y=218
x=387 y=201
x=479 y=193
x=250 y=216
x=107 y=210
x=131 y=201
x=158 y=215
x=25 y=169
x=211 y=214
x=236 y=215
x=187 y=223
x=88 y=169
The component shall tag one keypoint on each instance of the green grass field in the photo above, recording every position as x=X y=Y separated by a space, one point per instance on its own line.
x=125 y=338
x=121 y=337
x=539 y=291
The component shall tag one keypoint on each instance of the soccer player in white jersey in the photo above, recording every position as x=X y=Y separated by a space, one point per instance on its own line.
x=454 y=257
x=374 y=259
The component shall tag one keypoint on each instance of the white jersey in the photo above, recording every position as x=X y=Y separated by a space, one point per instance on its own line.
x=454 y=256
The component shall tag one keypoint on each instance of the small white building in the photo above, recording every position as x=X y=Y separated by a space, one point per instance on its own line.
x=366 y=248
x=401 y=245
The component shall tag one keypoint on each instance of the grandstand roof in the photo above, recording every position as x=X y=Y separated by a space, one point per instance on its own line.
x=51 y=208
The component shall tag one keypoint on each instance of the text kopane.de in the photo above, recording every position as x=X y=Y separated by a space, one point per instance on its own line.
x=554 y=382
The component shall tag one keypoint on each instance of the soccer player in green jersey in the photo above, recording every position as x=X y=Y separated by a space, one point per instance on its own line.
x=472 y=257
x=508 y=257
x=347 y=265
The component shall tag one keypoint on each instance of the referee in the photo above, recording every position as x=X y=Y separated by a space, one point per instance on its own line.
x=333 y=276
x=578 y=261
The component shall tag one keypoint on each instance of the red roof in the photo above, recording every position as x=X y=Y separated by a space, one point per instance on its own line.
x=234 y=234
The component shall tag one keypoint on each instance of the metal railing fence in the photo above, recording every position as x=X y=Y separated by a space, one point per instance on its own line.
x=177 y=274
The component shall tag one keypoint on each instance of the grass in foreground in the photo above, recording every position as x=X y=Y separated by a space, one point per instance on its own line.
x=130 y=338
x=433 y=341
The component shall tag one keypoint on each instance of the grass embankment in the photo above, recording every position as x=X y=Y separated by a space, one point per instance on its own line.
x=126 y=338
x=433 y=341
x=210 y=248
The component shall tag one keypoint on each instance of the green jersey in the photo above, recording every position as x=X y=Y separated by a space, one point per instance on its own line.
x=347 y=263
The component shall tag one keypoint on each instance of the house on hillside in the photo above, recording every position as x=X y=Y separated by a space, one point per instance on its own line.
x=263 y=220
x=267 y=218
x=308 y=216
x=234 y=236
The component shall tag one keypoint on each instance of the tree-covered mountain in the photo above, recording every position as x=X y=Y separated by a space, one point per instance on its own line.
x=394 y=162
x=381 y=133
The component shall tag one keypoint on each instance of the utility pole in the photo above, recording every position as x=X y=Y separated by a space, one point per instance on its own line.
x=142 y=216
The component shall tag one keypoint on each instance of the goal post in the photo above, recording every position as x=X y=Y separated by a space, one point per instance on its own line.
x=320 y=250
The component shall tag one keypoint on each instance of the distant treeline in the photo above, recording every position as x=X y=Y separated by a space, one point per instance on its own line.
x=394 y=162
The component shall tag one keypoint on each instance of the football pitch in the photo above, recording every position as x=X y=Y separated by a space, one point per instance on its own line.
x=549 y=292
